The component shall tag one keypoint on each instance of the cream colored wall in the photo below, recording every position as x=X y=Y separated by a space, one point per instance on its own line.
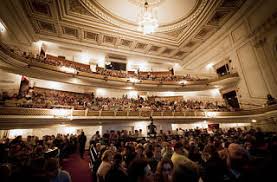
x=249 y=40
x=54 y=130
x=269 y=124
x=204 y=124
x=61 y=86
x=131 y=126
x=9 y=82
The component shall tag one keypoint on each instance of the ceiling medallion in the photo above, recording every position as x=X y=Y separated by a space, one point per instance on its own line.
x=152 y=3
x=147 y=19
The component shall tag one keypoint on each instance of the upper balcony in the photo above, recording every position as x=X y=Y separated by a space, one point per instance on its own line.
x=53 y=68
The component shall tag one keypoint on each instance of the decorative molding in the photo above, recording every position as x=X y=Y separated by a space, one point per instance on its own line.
x=259 y=33
x=86 y=22
x=97 y=9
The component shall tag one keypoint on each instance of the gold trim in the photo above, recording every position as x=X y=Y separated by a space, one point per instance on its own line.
x=99 y=10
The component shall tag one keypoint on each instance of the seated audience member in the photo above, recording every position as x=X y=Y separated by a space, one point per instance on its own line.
x=183 y=173
x=117 y=171
x=105 y=165
x=270 y=100
x=139 y=171
x=164 y=171
x=54 y=173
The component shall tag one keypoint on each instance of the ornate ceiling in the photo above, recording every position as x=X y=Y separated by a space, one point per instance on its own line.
x=106 y=24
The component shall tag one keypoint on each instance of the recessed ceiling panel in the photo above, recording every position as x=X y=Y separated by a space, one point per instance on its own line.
x=168 y=11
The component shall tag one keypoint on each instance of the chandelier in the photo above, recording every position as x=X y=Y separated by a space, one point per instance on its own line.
x=147 y=21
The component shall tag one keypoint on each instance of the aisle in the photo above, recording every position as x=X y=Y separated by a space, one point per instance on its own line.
x=78 y=168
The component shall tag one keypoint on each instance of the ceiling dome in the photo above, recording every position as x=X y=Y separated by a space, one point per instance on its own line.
x=168 y=11
x=171 y=14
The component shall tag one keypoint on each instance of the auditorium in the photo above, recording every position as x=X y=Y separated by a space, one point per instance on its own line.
x=138 y=90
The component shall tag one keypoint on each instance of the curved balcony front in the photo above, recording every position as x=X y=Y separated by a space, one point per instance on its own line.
x=14 y=117
x=12 y=62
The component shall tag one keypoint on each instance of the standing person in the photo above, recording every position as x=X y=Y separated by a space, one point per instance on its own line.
x=82 y=144
x=179 y=158
x=95 y=138
x=152 y=129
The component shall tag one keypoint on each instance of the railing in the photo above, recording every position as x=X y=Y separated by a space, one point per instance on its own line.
x=15 y=111
x=33 y=62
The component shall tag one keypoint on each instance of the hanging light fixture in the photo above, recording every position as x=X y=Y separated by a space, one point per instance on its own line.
x=147 y=21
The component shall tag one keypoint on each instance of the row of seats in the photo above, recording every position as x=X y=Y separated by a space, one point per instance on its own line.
x=48 y=98
x=79 y=67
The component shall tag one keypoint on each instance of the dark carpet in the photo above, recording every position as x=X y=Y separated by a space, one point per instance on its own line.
x=78 y=167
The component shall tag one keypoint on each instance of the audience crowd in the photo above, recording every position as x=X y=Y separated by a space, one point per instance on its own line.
x=233 y=155
x=34 y=159
x=47 y=98
x=79 y=67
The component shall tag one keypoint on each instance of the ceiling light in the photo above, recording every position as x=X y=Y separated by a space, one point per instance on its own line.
x=61 y=113
x=210 y=66
x=210 y=114
x=133 y=80
x=68 y=70
x=129 y=88
x=2 y=28
x=183 y=82
x=254 y=120
x=147 y=21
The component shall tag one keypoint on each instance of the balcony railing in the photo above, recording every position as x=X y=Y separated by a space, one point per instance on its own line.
x=71 y=113
x=33 y=62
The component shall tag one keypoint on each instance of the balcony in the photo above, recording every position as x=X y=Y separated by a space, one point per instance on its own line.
x=12 y=62
x=24 y=117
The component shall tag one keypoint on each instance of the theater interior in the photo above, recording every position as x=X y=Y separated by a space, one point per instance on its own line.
x=186 y=84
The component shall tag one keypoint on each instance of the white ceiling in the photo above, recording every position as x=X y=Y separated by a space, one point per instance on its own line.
x=97 y=27
x=168 y=11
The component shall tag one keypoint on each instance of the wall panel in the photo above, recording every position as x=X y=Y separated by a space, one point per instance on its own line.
x=252 y=72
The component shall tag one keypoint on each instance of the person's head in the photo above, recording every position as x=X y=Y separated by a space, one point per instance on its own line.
x=157 y=151
x=236 y=156
x=107 y=156
x=117 y=158
x=52 y=167
x=165 y=168
x=139 y=171
x=269 y=97
x=98 y=146
x=139 y=149
x=183 y=173
x=179 y=148
x=208 y=152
